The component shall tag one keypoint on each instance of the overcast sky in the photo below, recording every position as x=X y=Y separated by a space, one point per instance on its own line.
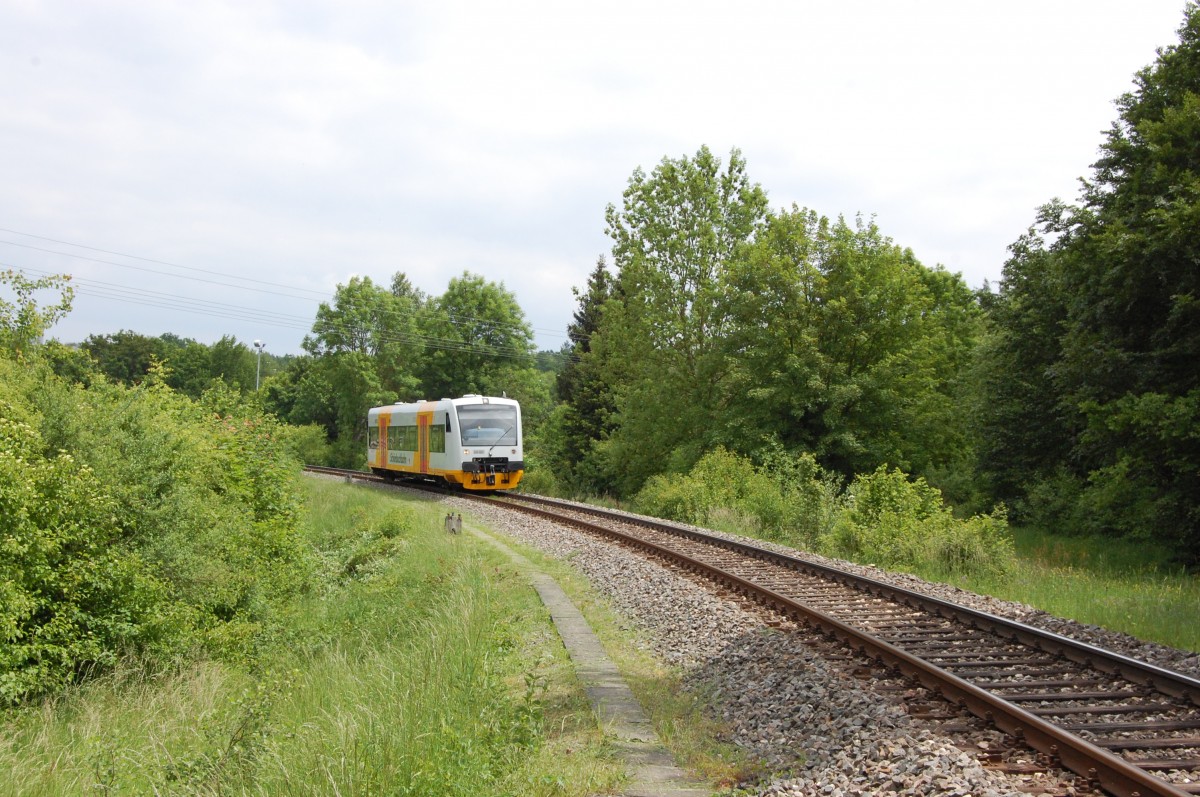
x=237 y=161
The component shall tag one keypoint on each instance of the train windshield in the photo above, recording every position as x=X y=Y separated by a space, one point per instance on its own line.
x=488 y=424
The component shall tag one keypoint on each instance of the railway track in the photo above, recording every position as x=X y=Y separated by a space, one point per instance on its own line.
x=1125 y=727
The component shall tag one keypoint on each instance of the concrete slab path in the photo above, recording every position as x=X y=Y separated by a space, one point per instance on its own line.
x=618 y=712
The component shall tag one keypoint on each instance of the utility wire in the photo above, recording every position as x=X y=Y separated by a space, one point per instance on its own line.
x=280 y=290
x=132 y=257
x=213 y=309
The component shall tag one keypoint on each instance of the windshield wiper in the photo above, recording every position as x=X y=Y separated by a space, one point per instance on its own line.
x=498 y=439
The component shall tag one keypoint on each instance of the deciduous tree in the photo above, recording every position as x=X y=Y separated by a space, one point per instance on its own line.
x=845 y=346
x=1122 y=367
x=473 y=332
x=674 y=238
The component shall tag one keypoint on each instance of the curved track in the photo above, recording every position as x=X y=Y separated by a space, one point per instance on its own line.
x=1127 y=727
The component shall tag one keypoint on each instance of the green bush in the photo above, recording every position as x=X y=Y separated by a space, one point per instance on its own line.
x=540 y=482
x=70 y=598
x=308 y=444
x=137 y=520
x=882 y=518
x=894 y=522
x=719 y=482
x=397 y=522
x=669 y=496
x=1051 y=503
x=788 y=500
x=811 y=496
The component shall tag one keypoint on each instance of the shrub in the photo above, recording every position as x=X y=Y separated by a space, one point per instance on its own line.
x=811 y=497
x=137 y=520
x=891 y=521
x=1051 y=503
x=671 y=497
x=882 y=518
x=70 y=598
x=788 y=500
x=308 y=444
x=540 y=482
x=397 y=522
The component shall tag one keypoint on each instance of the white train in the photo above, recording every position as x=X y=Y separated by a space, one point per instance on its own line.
x=474 y=441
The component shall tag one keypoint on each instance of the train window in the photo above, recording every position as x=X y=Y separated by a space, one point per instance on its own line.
x=402 y=438
x=488 y=424
x=437 y=439
x=372 y=437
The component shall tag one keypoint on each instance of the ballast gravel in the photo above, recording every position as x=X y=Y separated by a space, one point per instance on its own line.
x=817 y=729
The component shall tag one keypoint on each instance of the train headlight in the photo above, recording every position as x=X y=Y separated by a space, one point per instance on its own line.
x=466 y=452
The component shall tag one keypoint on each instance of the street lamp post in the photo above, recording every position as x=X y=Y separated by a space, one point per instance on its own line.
x=258 y=347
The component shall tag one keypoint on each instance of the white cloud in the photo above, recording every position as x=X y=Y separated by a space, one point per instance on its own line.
x=301 y=143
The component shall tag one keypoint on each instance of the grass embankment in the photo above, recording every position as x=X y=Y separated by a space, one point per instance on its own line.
x=418 y=663
x=1116 y=584
x=887 y=519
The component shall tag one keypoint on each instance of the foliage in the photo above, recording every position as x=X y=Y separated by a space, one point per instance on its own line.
x=71 y=598
x=894 y=522
x=184 y=364
x=426 y=673
x=728 y=325
x=373 y=328
x=586 y=399
x=307 y=444
x=70 y=363
x=374 y=345
x=845 y=346
x=478 y=333
x=719 y=481
x=882 y=518
x=23 y=321
x=136 y=520
x=1097 y=325
x=674 y=239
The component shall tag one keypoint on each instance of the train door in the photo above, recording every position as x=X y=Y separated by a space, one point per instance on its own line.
x=381 y=448
x=424 y=419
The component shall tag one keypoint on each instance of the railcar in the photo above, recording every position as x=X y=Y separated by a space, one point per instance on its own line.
x=473 y=442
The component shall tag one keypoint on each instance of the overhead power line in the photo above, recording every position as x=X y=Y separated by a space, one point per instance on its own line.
x=214 y=309
x=134 y=257
x=276 y=289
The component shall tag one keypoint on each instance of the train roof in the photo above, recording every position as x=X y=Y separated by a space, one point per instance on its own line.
x=470 y=398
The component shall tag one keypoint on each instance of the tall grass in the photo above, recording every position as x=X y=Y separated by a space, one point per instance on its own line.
x=1117 y=584
x=417 y=664
x=425 y=712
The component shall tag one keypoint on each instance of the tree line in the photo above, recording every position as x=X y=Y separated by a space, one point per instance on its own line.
x=1097 y=322
x=369 y=345
x=1069 y=395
